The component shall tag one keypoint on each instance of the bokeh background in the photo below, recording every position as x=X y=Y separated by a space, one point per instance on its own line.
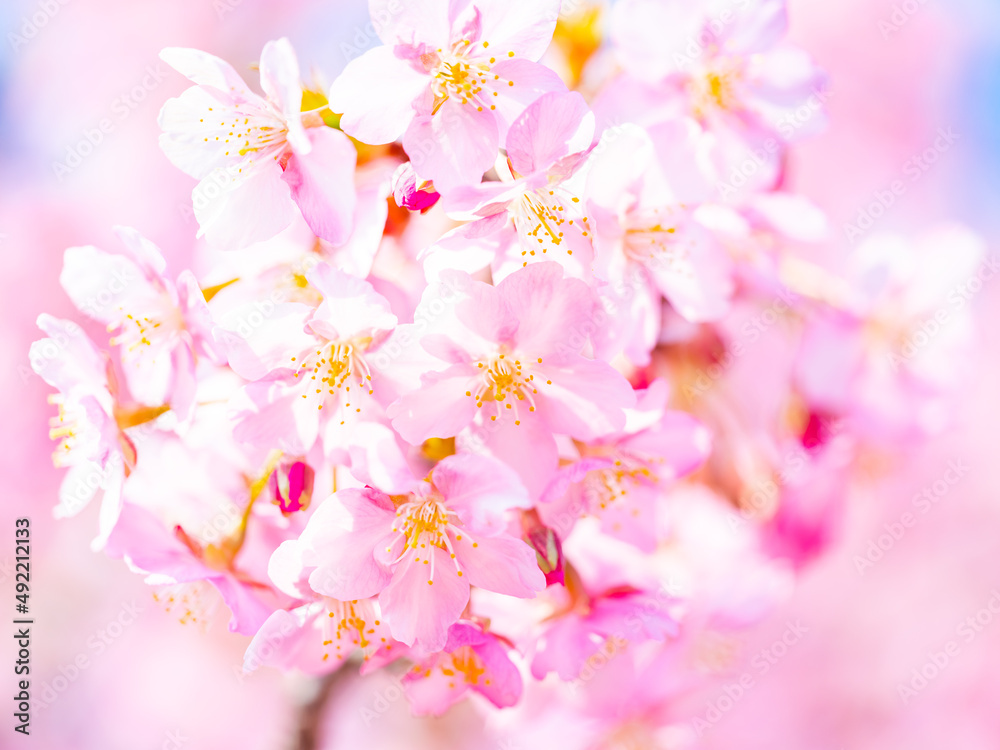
x=150 y=682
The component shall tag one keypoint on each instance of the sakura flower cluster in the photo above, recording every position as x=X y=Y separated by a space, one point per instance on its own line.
x=504 y=365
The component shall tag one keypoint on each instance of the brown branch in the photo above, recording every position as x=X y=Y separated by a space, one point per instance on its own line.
x=311 y=714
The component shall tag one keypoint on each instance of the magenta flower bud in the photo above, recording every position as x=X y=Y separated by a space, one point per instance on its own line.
x=548 y=548
x=410 y=193
x=292 y=484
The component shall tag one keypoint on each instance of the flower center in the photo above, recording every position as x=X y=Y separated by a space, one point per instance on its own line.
x=246 y=130
x=505 y=383
x=461 y=663
x=605 y=486
x=717 y=87
x=541 y=219
x=349 y=625
x=332 y=370
x=461 y=73
x=653 y=242
x=64 y=428
x=422 y=521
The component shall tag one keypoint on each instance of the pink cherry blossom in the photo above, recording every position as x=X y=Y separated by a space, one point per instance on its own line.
x=317 y=637
x=92 y=421
x=419 y=552
x=535 y=212
x=621 y=478
x=450 y=79
x=725 y=70
x=472 y=660
x=308 y=366
x=257 y=157
x=160 y=328
x=886 y=356
x=650 y=245
x=177 y=560
x=511 y=353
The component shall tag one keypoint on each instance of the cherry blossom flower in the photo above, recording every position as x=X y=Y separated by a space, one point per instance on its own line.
x=308 y=366
x=472 y=660
x=535 y=212
x=92 y=423
x=649 y=244
x=160 y=328
x=177 y=560
x=318 y=637
x=621 y=478
x=887 y=354
x=450 y=79
x=419 y=552
x=257 y=157
x=725 y=69
x=512 y=352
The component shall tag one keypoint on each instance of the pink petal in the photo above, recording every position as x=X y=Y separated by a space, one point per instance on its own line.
x=350 y=307
x=480 y=490
x=501 y=684
x=470 y=247
x=343 y=534
x=68 y=361
x=208 y=70
x=524 y=28
x=234 y=213
x=280 y=79
x=454 y=146
x=440 y=408
x=290 y=640
x=272 y=413
x=531 y=80
x=419 y=612
x=528 y=448
x=501 y=564
x=322 y=184
x=260 y=337
x=548 y=307
x=554 y=126
x=413 y=22
x=375 y=93
x=430 y=691
x=585 y=399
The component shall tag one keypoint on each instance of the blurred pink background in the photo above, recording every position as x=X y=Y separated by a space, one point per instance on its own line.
x=156 y=682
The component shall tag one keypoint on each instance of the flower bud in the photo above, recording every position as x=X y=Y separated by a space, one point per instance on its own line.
x=291 y=484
